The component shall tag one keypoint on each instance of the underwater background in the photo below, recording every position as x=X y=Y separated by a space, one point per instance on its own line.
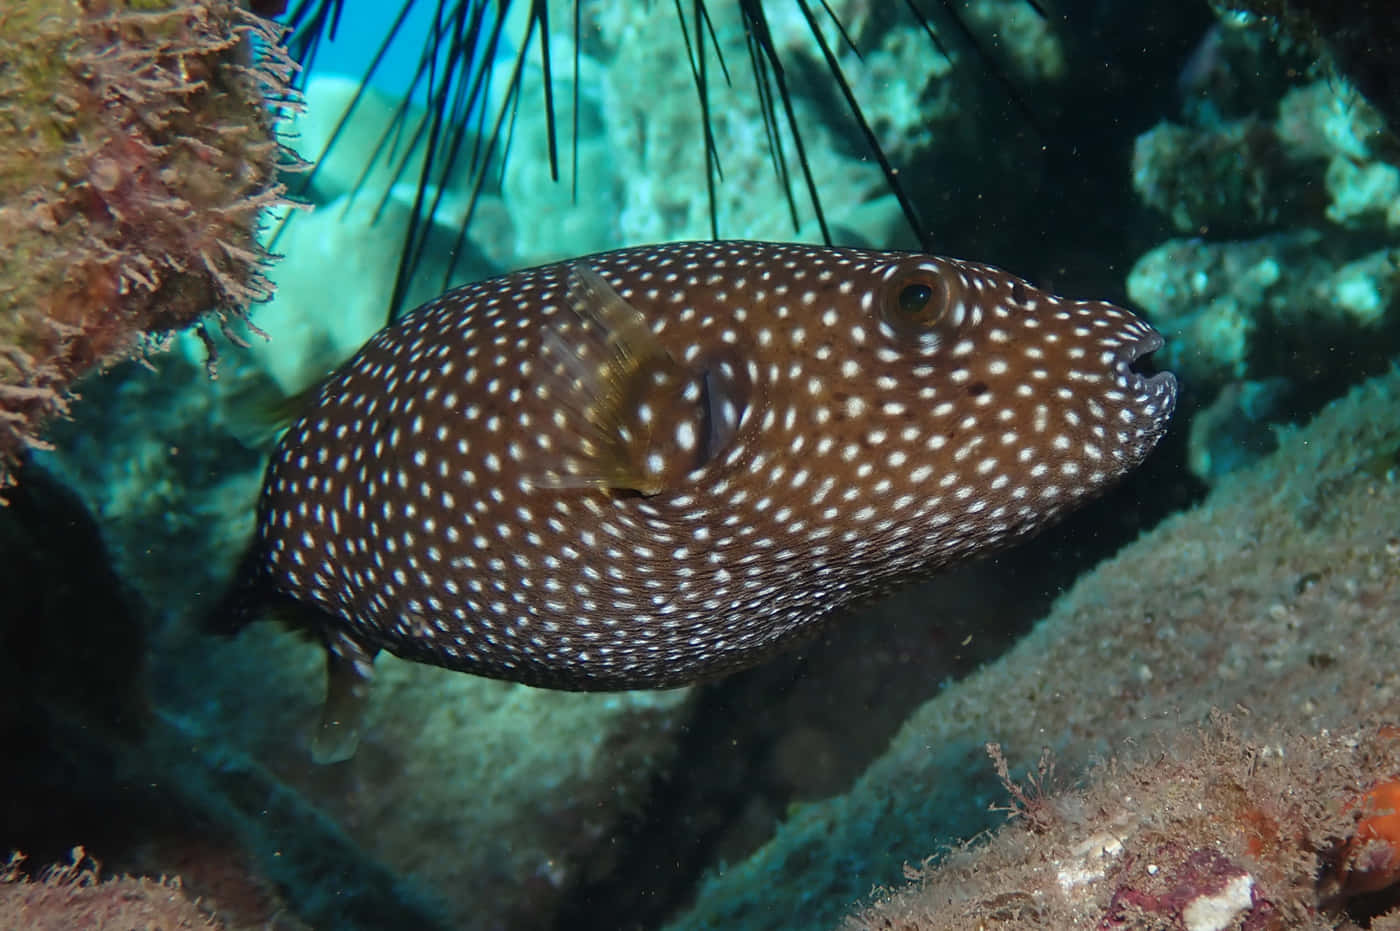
x=1175 y=709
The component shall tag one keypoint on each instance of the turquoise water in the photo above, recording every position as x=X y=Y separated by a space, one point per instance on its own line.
x=366 y=26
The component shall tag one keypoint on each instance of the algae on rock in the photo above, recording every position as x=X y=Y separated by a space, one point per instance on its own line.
x=138 y=157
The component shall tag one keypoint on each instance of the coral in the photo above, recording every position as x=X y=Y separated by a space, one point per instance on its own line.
x=1206 y=832
x=1248 y=176
x=1231 y=179
x=923 y=98
x=71 y=896
x=139 y=156
x=1284 y=305
x=656 y=135
x=1291 y=270
x=1362 y=38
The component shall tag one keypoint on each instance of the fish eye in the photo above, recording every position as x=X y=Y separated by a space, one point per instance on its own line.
x=913 y=298
x=915 y=303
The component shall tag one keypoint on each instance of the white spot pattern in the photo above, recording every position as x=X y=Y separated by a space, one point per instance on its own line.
x=402 y=505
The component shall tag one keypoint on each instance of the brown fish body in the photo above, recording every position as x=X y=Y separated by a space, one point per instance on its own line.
x=644 y=467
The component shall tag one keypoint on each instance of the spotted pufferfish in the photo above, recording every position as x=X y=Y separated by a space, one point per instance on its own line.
x=646 y=467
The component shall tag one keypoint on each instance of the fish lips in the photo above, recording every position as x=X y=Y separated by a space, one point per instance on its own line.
x=1161 y=384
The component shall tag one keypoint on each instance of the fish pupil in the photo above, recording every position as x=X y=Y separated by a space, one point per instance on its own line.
x=913 y=298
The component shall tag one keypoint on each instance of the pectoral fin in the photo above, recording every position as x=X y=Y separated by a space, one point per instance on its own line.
x=634 y=417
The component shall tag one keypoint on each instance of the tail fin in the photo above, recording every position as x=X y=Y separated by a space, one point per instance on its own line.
x=242 y=602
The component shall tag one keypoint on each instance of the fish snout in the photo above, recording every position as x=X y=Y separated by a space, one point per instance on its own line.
x=1127 y=364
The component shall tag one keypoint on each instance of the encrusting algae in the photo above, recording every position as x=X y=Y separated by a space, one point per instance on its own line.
x=645 y=467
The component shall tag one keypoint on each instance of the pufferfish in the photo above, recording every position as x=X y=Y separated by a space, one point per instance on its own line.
x=646 y=467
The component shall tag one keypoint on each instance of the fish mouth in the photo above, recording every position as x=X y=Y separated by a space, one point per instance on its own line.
x=1129 y=365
